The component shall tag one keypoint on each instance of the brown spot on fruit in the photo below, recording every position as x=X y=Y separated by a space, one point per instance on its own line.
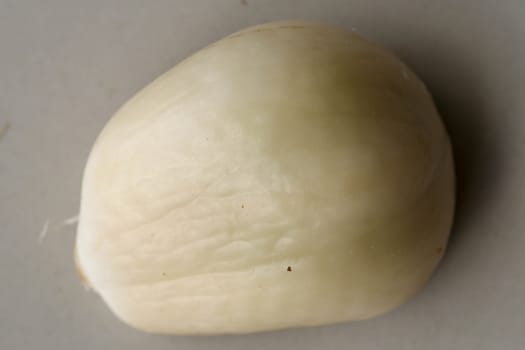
x=80 y=271
x=289 y=269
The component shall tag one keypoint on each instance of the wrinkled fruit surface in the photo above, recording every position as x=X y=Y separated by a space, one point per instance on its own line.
x=291 y=174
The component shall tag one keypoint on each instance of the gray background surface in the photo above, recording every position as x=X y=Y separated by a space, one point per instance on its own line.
x=66 y=66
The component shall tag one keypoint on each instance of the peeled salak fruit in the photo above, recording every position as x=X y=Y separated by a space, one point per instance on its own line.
x=291 y=174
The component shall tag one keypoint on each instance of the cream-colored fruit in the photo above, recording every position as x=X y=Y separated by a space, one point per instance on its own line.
x=291 y=174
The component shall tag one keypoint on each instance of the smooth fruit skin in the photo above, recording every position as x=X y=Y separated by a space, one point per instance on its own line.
x=291 y=174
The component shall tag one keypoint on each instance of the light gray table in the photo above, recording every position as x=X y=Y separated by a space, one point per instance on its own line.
x=66 y=66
